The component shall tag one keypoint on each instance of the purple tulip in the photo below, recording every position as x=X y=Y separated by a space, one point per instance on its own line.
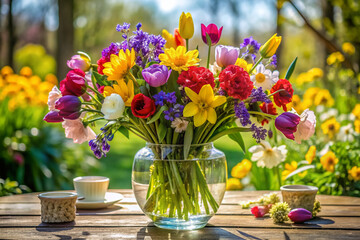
x=300 y=215
x=156 y=75
x=226 y=55
x=79 y=62
x=287 y=123
x=213 y=31
x=53 y=116
x=69 y=107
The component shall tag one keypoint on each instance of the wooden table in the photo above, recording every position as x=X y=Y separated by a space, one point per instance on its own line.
x=20 y=219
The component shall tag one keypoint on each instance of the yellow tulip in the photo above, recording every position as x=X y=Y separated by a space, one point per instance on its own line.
x=186 y=26
x=269 y=48
x=170 y=40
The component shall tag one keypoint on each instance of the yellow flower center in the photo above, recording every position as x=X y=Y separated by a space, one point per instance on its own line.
x=260 y=77
x=203 y=106
x=180 y=61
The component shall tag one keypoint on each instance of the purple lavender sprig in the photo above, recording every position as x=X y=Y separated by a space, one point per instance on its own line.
x=258 y=95
x=259 y=133
x=242 y=113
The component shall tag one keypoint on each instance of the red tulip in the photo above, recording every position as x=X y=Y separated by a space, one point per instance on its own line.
x=213 y=32
x=74 y=83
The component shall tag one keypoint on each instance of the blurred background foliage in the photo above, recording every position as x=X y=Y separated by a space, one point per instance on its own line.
x=37 y=37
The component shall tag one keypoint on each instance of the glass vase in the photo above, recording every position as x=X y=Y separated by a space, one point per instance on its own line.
x=179 y=187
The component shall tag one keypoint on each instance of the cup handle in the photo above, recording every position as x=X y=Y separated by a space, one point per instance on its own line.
x=80 y=198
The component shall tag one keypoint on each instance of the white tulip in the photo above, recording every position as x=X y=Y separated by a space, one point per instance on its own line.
x=113 y=107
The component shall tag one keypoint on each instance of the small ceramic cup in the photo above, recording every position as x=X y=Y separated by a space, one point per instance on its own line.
x=91 y=188
x=299 y=196
x=57 y=207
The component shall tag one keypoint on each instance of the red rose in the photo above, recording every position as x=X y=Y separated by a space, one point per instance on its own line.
x=100 y=64
x=196 y=77
x=142 y=106
x=269 y=109
x=74 y=83
x=236 y=82
x=284 y=97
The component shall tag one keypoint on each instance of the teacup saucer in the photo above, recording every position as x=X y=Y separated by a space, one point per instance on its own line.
x=110 y=199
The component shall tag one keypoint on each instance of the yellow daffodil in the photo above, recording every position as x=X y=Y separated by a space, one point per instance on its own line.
x=348 y=48
x=233 y=184
x=354 y=173
x=202 y=105
x=243 y=64
x=330 y=127
x=126 y=91
x=186 y=25
x=119 y=65
x=334 y=58
x=179 y=60
x=241 y=169
x=356 y=111
x=269 y=48
x=310 y=155
x=323 y=97
x=328 y=161
x=357 y=125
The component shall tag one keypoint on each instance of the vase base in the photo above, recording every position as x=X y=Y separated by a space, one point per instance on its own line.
x=195 y=222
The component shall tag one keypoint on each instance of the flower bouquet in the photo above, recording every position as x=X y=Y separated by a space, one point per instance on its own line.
x=154 y=87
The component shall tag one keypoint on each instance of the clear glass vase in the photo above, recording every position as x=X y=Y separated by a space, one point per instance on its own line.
x=179 y=187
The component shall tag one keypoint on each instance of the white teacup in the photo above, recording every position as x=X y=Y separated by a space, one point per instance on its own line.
x=92 y=188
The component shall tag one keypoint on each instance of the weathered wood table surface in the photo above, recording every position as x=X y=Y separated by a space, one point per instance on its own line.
x=20 y=219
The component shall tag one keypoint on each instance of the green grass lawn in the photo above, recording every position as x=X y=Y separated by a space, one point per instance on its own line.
x=118 y=164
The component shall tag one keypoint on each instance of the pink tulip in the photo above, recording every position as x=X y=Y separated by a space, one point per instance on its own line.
x=306 y=127
x=74 y=83
x=75 y=130
x=54 y=95
x=53 y=117
x=213 y=32
x=226 y=55
x=287 y=123
x=299 y=215
x=78 y=62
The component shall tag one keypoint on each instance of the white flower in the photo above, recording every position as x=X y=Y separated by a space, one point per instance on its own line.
x=113 y=107
x=306 y=126
x=346 y=133
x=267 y=156
x=215 y=69
x=54 y=95
x=332 y=112
x=264 y=77
x=75 y=130
x=179 y=124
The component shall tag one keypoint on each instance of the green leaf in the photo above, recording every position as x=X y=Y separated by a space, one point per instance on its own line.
x=161 y=132
x=299 y=170
x=188 y=139
x=84 y=54
x=158 y=114
x=238 y=139
x=291 y=69
x=100 y=79
x=229 y=131
x=151 y=63
x=208 y=39
x=124 y=131
x=172 y=85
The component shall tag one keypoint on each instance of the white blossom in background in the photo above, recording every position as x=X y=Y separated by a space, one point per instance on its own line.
x=266 y=156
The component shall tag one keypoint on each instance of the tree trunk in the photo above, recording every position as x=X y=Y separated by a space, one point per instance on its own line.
x=65 y=36
x=11 y=36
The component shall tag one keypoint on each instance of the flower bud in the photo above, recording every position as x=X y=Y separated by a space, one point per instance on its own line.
x=53 y=116
x=299 y=215
x=213 y=31
x=79 y=62
x=269 y=48
x=259 y=211
x=186 y=26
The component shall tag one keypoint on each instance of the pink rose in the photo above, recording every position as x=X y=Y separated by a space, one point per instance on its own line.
x=54 y=95
x=75 y=130
x=306 y=127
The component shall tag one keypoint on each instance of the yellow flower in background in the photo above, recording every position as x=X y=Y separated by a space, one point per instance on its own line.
x=6 y=71
x=316 y=73
x=26 y=72
x=186 y=26
x=356 y=111
x=323 y=97
x=330 y=127
x=233 y=184
x=119 y=65
x=289 y=168
x=354 y=172
x=126 y=91
x=303 y=78
x=202 y=105
x=241 y=169
x=335 y=57
x=243 y=64
x=178 y=59
x=310 y=155
x=348 y=48
x=357 y=125
x=296 y=104
x=51 y=78
x=269 y=48
x=328 y=161
x=310 y=94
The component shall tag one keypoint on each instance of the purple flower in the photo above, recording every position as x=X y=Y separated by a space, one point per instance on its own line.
x=287 y=123
x=252 y=45
x=114 y=48
x=242 y=113
x=171 y=98
x=300 y=215
x=69 y=107
x=226 y=55
x=156 y=75
x=160 y=98
x=53 y=116
x=138 y=26
x=259 y=133
x=259 y=96
x=174 y=112
x=100 y=145
x=273 y=60
x=123 y=28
